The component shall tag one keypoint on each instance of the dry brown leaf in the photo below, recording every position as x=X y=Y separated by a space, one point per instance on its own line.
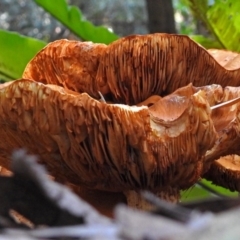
x=227 y=59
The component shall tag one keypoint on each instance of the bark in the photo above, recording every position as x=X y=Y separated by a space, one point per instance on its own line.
x=160 y=16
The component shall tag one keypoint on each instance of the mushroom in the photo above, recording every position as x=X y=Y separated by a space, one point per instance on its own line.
x=163 y=144
x=105 y=146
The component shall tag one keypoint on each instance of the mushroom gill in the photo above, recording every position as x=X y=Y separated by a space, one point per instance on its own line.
x=226 y=118
x=133 y=68
x=226 y=172
x=136 y=67
x=111 y=147
x=226 y=122
x=222 y=161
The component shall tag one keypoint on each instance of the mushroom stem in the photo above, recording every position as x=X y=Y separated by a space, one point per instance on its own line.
x=136 y=200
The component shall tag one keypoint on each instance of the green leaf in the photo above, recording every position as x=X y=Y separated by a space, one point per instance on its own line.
x=194 y=193
x=15 y=52
x=206 y=42
x=4 y=78
x=219 y=189
x=197 y=192
x=222 y=17
x=72 y=18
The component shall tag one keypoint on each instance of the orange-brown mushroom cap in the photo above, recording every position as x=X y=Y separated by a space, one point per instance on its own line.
x=71 y=64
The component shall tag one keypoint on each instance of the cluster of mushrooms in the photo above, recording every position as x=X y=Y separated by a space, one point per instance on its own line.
x=154 y=112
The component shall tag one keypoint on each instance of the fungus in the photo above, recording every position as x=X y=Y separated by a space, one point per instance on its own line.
x=105 y=146
x=148 y=130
